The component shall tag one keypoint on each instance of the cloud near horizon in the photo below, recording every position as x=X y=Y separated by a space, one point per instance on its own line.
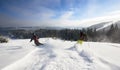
x=62 y=13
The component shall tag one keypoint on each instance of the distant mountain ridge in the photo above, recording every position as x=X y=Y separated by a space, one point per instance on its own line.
x=105 y=25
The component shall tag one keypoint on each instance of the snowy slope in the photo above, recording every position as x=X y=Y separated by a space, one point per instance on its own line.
x=67 y=55
x=105 y=25
x=13 y=50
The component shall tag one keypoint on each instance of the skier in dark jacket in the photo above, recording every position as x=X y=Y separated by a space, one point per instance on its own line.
x=83 y=36
x=35 y=38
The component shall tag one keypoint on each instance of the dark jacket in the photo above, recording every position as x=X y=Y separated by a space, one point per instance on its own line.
x=83 y=36
x=35 y=38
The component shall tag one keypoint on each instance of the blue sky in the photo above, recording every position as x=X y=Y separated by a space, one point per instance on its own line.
x=53 y=12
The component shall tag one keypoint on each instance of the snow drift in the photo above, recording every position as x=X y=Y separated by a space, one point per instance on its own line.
x=67 y=55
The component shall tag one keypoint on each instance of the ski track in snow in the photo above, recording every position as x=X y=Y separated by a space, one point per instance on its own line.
x=62 y=55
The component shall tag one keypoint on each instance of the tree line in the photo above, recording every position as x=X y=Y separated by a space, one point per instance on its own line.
x=110 y=35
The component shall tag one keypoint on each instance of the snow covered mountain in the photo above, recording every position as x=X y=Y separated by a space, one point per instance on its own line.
x=57 y=54
x=104 y=25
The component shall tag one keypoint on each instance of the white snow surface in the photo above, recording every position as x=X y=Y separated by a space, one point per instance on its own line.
x=106 y=26
x=57 y=54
